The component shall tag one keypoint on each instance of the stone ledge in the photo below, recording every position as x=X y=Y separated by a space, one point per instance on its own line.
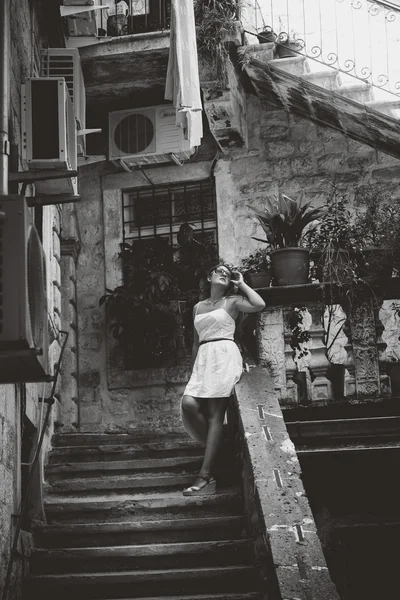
x=275 y=491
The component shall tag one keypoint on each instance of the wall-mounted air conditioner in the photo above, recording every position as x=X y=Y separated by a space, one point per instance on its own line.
x=49 y=132
x=66 y=62
x=23 y=302
x=147 y=135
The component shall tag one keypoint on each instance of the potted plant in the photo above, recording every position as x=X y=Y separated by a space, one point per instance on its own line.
x=334 y=246
x=144 y=313
x=287 y=45
x=266 y=35
x=283 y=221
x=377 y=230
x=257 y=268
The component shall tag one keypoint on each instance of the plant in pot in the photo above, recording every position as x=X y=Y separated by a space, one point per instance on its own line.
x=266 y=35
x=283 y=220
x=216 y=22
x=144 y=312
x=288 y=45
x=334 y=246
x=257 y=268
x=377 y=231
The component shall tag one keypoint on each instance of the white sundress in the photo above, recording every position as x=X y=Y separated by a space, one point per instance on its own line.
x=218 y=365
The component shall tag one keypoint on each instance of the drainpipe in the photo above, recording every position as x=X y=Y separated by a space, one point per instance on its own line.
x=5 y=68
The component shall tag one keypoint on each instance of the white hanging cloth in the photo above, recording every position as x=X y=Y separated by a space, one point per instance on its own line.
x=183 y=85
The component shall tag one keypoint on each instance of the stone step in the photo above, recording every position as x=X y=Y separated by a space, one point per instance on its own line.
x=135 y=584
x=97 y=469
x=121 y=439
x=391 y=109
x=140 y=557
x=160 y=449
x=228 y=596
x=296 y=65
x=110 y=483
x=140 y=506
x=359 y=92
x=329 y=80
x=140 y=532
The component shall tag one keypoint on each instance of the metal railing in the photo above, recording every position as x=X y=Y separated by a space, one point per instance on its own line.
x=141 y=16
x=358 y=38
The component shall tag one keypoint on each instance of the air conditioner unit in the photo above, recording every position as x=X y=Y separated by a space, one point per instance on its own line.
x=66 y=62
x=23 y=301
x=49 y=132
x=147 y=135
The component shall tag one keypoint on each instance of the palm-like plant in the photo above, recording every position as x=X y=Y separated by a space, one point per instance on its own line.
x=283 y=220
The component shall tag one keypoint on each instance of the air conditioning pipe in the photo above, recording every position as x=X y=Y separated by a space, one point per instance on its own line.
x=5 y=68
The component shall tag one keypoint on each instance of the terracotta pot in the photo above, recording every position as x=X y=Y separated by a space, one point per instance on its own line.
x=290 y=266
x=261 y=279
x=287 y=49
x=266 y=36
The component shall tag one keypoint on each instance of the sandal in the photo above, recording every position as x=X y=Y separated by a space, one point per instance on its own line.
x=208 y=489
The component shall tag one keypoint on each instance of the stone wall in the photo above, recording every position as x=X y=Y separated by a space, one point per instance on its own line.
x=19 y=401
x=111 y=398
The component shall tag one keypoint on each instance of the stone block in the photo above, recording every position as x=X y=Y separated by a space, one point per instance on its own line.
x=331 y=163
x=55 y=273
x=311 y=148
x=89 y=379
x=90 y=414
x=280 y=149
x=305 y=164
x=282 y=169
x=273 y=131
x=389 y=174
x=57 y=300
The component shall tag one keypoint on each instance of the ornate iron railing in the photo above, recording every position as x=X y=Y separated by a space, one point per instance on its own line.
x=358 y=38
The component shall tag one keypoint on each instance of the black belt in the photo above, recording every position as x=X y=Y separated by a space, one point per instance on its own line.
x=216 y=340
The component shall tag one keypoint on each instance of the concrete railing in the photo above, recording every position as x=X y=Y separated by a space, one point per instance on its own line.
x=286 y=544
x=349 y=355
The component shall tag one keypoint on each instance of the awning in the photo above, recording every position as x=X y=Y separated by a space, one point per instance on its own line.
x=183 y=85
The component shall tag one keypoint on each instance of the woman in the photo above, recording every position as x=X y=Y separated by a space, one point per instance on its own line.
x=217 y=366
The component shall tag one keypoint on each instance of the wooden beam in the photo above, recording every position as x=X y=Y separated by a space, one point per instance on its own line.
x=43 y=175
x=46 y=199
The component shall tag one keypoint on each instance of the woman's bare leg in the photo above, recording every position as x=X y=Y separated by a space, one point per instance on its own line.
x=192 y=412
x=216 y=408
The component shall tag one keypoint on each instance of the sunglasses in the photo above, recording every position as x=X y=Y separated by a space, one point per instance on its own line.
x=222 y=271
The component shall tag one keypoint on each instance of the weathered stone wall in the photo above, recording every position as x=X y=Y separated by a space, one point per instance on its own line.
x=289 y=154
x=111 y=399
x=28 y=36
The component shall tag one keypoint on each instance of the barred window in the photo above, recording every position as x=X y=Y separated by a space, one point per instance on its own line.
x=161 y=211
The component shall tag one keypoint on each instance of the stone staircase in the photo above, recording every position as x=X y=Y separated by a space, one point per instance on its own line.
x=118 y=525
x=332 y=80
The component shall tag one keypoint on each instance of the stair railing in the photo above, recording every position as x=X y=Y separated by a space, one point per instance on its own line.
x=24 y=501
x=359 y=38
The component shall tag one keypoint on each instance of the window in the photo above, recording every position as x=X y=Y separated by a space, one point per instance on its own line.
x=161 y=211
x=152 y=222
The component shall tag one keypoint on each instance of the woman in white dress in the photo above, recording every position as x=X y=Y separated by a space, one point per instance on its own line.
x=217 y=366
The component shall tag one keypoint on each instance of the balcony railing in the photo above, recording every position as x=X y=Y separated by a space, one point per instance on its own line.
x=359 y=38
x=131 y=17
x=349 y=353
x=141 y=16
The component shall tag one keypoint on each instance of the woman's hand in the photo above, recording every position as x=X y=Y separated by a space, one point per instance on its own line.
x=238 y=278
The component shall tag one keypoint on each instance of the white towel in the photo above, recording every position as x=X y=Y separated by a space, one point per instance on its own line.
x=183 y=85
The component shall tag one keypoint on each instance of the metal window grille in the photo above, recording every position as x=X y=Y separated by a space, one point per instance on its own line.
x=160 y=211
x=151 y=213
